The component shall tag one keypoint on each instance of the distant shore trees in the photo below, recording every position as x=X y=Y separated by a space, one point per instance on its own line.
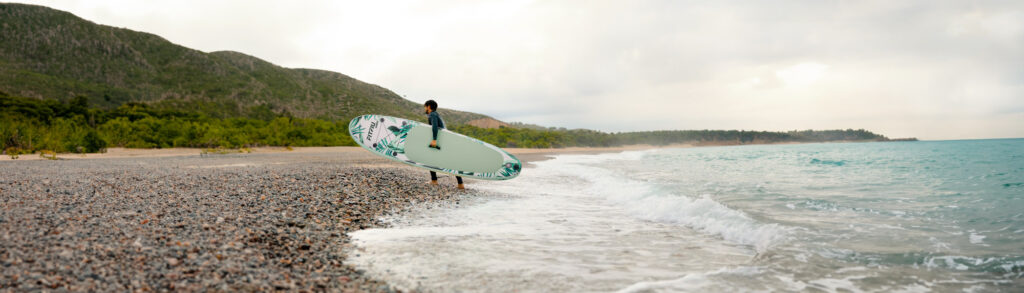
x=30 y=125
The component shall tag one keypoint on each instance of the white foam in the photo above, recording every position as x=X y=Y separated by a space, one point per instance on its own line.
x=1010 y=266
x=956 y=262
x=599 y=158
x=834 y=285
x=553 y=231
x=689 y=282
x=976 y=288
x=913 y=288
x=644 y=201
x=976 y=238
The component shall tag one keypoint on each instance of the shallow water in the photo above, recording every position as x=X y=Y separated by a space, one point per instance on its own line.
x=903 y=216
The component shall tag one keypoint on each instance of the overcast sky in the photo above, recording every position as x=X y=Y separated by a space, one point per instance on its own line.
x=928 y=69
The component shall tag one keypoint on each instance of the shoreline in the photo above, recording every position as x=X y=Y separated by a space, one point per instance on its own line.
x=268 y=219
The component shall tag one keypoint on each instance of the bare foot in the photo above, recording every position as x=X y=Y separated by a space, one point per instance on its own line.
x=433 y=182
x=462 y=186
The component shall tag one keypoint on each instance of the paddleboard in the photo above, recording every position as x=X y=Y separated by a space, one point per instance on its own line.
x=408 y=141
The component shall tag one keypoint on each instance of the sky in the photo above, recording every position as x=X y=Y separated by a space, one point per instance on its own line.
x=925 y=69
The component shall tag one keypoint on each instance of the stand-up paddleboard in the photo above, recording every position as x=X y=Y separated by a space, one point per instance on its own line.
x=408 y=142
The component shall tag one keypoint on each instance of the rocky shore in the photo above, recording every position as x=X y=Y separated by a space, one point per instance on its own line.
x=215 y=223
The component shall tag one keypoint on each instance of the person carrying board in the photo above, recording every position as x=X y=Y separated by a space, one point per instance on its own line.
x=430 y=107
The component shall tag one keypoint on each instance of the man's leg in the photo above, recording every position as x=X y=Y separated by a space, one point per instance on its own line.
x=433 y=178
x=459 y=178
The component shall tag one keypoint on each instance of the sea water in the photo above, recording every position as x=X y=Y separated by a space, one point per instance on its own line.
x=873 y=217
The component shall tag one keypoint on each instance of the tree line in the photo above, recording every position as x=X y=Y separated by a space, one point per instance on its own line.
x=29 y=125
x=535 y=138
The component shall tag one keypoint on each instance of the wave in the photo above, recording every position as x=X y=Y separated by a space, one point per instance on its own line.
x=645 y=201
x=849 y=279
x=838 y=163
x=1006 y=265
x=690 y=282
x=822 y=205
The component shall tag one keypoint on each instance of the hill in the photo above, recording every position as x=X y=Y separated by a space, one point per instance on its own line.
x=47 y=53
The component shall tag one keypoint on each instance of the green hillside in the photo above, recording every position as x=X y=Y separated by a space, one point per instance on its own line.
x=52 y=54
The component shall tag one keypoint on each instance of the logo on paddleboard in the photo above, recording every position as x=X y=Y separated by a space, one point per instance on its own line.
x=369 y=134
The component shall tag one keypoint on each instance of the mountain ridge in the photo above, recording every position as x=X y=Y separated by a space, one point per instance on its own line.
x=52 y=54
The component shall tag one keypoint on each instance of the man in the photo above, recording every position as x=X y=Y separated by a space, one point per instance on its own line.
x=430 y=107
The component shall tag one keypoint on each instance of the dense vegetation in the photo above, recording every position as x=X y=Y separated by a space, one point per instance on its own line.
x=52 y=54
x=31 y=125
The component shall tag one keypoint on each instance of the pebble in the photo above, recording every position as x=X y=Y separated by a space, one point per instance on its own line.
x=265 y=222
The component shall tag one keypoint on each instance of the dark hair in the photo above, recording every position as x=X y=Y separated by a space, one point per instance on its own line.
x=431 y=104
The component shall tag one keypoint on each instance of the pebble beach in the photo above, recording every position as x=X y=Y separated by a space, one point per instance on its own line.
x=227 y=222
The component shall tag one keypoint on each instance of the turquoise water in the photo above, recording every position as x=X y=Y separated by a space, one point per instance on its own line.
x=901 y=216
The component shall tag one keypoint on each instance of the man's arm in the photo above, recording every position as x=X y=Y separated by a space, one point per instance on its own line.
x=433 y=124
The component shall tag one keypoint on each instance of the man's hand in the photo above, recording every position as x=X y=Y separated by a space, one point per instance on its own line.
x=433 y=143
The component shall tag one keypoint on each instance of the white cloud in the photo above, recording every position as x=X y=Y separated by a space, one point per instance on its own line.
x=801 y=75
x=1003 y=25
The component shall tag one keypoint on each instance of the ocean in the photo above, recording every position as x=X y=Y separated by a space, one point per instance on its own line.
x=861 y=217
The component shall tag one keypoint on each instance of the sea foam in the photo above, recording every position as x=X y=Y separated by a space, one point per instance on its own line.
x=648 y=202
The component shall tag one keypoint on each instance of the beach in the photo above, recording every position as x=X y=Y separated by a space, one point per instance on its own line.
x=185 y=219
x=175 y=220
x=344 y=219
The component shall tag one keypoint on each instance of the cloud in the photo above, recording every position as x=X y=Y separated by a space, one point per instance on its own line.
x=921 y=68
x=803 y=74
